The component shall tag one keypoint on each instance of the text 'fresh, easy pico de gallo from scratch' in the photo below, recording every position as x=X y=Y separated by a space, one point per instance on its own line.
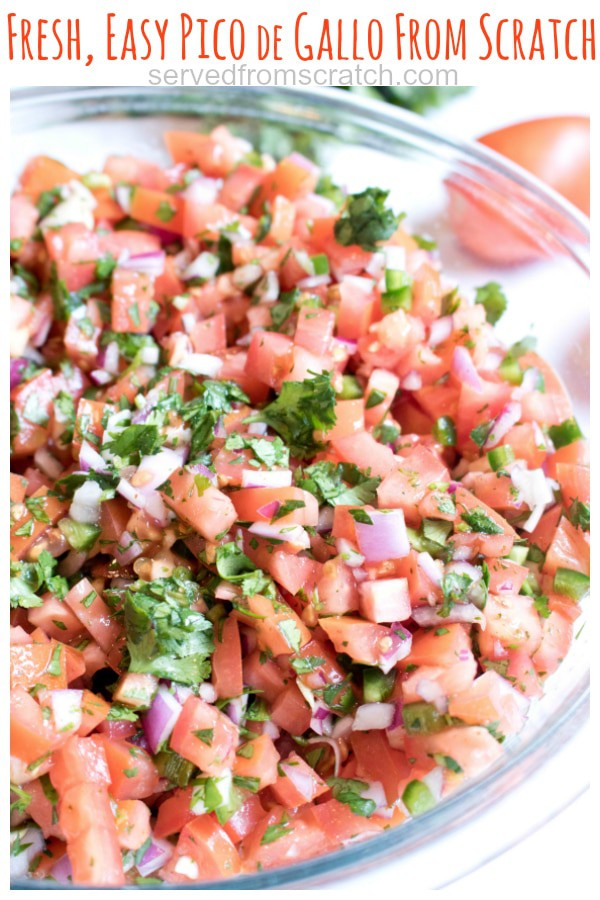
x=295 y=539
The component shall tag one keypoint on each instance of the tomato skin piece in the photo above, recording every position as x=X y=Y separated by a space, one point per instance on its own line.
x=211 y=758
x=555 y=149
x=86 y=819
x=207 y=845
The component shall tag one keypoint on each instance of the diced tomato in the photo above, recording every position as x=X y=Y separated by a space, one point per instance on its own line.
x=132 y=297
x=205 y=736
x=204 y=850
x=227 y=675
x=257 y=759
x=133 y=775
x=208 y=510
x=132 y=819
x=297 y=783
x=87 y=821
x=93 y=613
x=31 y=737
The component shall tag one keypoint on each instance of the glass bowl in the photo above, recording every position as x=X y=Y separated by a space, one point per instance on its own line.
x=363 y=143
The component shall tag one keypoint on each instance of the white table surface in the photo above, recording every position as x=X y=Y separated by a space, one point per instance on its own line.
x=559 y=854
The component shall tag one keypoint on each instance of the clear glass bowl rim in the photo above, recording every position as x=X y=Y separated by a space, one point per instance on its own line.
x=313 y=108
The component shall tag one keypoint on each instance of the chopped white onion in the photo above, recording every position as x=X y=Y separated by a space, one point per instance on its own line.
x=66 y=709
x=535 y=490
x=261 y=478
x=206 y=265
x=85 y=507
x=373 y=716
x=201 y=364
x=32 y=842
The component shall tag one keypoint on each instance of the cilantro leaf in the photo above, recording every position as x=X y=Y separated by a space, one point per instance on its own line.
x=478 y=520
x=366 y=220
x=203 y=412
x=493 y=299
x=350 y=791
x=268 y=452
x=134 y=442
x=302 y=408
x=341 y=484
x=165 y=636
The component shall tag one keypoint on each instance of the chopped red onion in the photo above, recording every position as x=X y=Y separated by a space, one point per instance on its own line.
x=269 y=509
x=227 y=591
x=181 y=692
x=271 y=729
x=343 y=727
x=201 y=469
x=130 y=549
x=376 y=792
x=509 y=416
x=62 y=871
x=203 y=190
x=464 y=369
x=157 y=855
x=373 y=716
x=72 y=563
x=349 y=553
x=159 y=721
x=397 y=720
x=236 y=708
x=331 y=742
x=535 y=490
x=16 y=370
x=435 y=782
x=385 y=539
x=151 y=264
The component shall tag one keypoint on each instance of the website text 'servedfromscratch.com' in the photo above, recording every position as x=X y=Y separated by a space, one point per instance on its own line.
x=277 y=76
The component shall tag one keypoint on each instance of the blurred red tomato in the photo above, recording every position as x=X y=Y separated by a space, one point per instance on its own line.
x=556 y=150
x=499 y=221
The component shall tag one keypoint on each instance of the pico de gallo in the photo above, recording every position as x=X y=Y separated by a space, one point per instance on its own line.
x=295 y=539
